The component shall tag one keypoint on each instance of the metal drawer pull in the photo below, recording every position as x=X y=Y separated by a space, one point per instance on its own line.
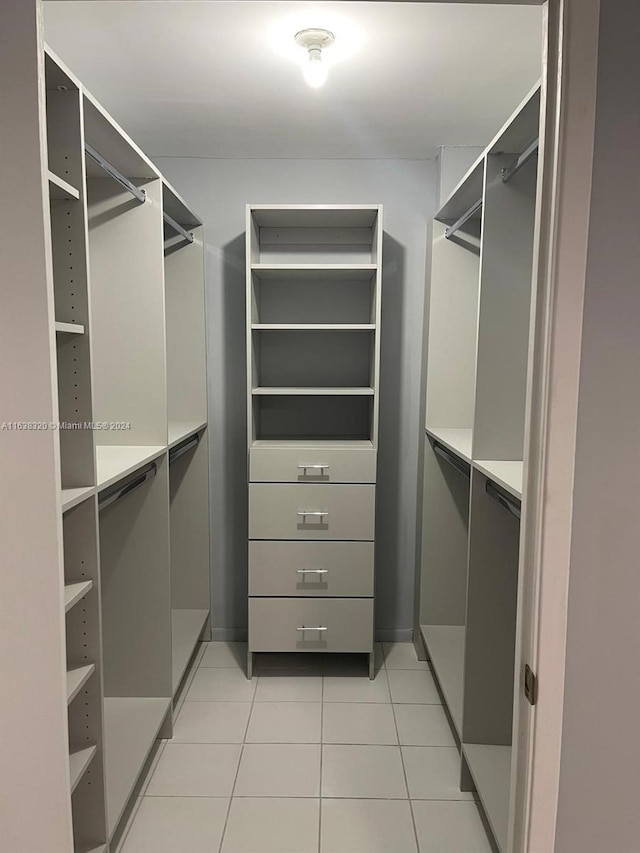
x=312 y=571
x=309 y=628
x=315 y=512
x=316 y=467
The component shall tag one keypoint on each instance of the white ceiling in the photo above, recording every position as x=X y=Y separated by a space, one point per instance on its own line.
x=219 y=79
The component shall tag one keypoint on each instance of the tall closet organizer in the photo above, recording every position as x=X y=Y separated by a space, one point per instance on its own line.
x=125 y=297
x=480 y=316
x=313 y=365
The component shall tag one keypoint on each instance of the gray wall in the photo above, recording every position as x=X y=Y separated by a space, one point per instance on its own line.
x=218 y=191
x=598 y=807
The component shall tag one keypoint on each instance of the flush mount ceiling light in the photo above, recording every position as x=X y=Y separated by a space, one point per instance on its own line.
x=313 y=40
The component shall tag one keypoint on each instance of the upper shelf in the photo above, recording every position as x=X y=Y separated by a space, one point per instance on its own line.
x=465 y=195
x=458 y=441
x=72 y=497
x=177 y=208
x=316 y=216
x=61 y=190
x=505 y=474
x=341 y=272
x=313 y=392
x=113 y=462
x=69 y=328
x=179 y=430
x=313 y=327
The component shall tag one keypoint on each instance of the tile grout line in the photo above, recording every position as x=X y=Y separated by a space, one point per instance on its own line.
x=235 y=778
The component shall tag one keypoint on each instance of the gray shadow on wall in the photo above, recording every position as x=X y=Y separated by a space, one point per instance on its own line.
x=230 y=578
x=389 y=512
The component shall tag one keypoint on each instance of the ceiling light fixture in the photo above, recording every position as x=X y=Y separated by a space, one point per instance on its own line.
x=314 y=40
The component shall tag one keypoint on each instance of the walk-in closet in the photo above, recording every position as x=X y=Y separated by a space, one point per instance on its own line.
x=318 y=426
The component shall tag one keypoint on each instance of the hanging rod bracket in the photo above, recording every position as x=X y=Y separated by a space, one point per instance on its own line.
x=111 y=170
x=509 y=171
x=451 y=229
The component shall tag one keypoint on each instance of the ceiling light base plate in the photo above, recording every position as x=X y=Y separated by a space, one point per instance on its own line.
x=314 y=38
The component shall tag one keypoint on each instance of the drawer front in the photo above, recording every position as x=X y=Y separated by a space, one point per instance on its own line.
x=312 y=464
x=330 y=624
x=318 y=511
x=311 y=568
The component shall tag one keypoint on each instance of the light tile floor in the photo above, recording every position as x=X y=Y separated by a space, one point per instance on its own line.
x=309 y=757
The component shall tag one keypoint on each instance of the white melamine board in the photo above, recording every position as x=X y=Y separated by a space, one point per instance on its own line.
x=492 y=588
x=185 y=331
x=313 y=327
x=114 y=462
x=342 y=272
x=490 y=768
x=458 y=441
x=57 y=74
x=315 y=216
x=131 y=728
x=61 y=189
x=453 y=323
x=445 y=646
x=189 y=528
x=136 y=590
x=464 y=195
x=307 y=392
x=69 y=328
x=104 y=134
x=505 y=311
x=72 y=497
x=521 y=128
x=128 y=312
x=505 y=473
x=77 y=677
x=177 y=207
x=186 y=628
x=73 y=592
x=315 y=444
x=180 y=430
x=79 y=761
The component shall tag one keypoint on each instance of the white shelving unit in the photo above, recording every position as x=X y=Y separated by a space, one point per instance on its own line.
x=477 y=373
x=116 y=308
x=313 y=341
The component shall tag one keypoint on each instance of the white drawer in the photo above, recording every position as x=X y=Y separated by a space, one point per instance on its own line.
x=311 y=568
x=312 y=463
x=311 y=624
x=317 y=511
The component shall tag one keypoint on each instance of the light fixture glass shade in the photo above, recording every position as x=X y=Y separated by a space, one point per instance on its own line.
x=314 y=69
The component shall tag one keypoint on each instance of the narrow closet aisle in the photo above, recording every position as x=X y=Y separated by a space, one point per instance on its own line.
x=308 y=757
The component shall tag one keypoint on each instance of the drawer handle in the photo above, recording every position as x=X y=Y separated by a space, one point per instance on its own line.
x=317 y=513
x=312 y=571
x=309 y=628
x=315 y=467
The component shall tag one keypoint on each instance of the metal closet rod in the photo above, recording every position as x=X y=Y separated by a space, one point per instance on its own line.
x=106 y=166
x=188 y=236
x=451 y=230
x=502 y=499
x=458 y=464
x=185 y=447
x=518 y=163
x=111 y=495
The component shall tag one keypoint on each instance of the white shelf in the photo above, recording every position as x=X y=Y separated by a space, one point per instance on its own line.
x=339 y=272
x=458 y=441
x=445 y=646
x=69 y=328
x=186 y=627
x=179 y=430
x=508 y=475
x=131 y=726
x=90 y=848
x=113 y=462
x=315 y=443
x=313 y=327
x=79 y=761
x=77 y=677
x=60 y=190
x=74 y=592
x=490 y=767
x=73 y=497
x=314 y=392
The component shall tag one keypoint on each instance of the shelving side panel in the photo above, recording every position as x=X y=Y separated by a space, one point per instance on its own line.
x=127 y=312
x=453 y=327
x=377 y=319
x=252 y=307
x=186 y=343
x=84 y=646
x=189 y=532
x=505 y=310
x=491 y=619
x=136 y=590
x=445 y=525
x=64 y=135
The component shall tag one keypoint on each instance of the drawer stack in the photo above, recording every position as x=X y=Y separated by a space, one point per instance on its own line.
x=311 y=548
x=313 y=303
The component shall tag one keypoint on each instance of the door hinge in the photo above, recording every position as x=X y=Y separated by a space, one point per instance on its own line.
x=530 y=685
